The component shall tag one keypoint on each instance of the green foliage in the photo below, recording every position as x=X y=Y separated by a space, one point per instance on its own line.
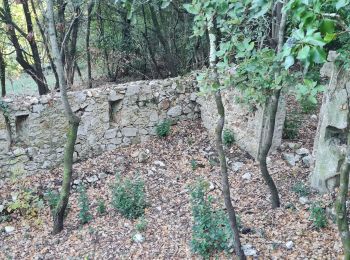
x=101 y=207
x=306 y=94
x=128 y=197
x=141 y=225
x=84 y=206
x=318 y=216
x=211 y=231
x=301 y=189
x=228 y=137
x=52 y=198
x=291 y=125
x=194 y=164
x=26 y=203
x=163 y=129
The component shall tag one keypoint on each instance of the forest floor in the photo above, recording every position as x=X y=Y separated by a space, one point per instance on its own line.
x=169 y=217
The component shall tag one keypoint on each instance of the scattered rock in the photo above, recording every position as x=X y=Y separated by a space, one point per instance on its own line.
x=135 y=154
x=211 y=186
x=314 y=117
x=143 y=156
x=291 y=158
x=92 y=179
x=2 y=208
x=9 y=229
x=159 y=163
x=77 y=182
x=294 y=145
x=302 y=151
x=236 y=166
x=138 y=238
x=249 y=250
x=303 y=200
x=307 y=160
x=289 y=245
x=102 y=175
x=247 y=176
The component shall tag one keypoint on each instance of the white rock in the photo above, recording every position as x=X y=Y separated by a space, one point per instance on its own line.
x=247 y=176
x=302 y=151
x=294 y=145
x=2 y=208
x=77 y=182
x=314 y=117
x=249 y=250
x=138 y=238
x=291 y=158
x=289 y=244
x=211 y=186
x=236 y=166
x=9 y=229
x=307 y=160
x=303 y=200
x=159 y=163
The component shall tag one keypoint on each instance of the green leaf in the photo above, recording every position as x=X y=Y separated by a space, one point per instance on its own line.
x=318 y=55
x=329 y=37
x=303 y=53
x=165 y=4
x=191 y=9
x=327 y=26
x=341 y=4
x=289 y=61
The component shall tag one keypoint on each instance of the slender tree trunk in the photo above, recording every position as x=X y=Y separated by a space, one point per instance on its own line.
x=219 y=146
x=46 y=45
x=71 y=54
x=37 y=76
x=158 y=30
x=269 y=121
x=73 y=121
x=102 y=40
x=88 y=53
x=2 y=74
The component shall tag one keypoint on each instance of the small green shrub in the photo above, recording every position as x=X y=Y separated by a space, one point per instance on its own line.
x=301 y=189
x=318 y=216
x=163 y=129
x=141 y=225
x=291 y=126
x=194 y=164
x=101 y=207
x=128 y=197
x=228 y=137
x=52 y=198
x=211 y=231
x=84 y=207
x=26 y=203
x=307 y=106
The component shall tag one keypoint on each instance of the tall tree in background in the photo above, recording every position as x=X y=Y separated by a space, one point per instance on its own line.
x=88 y=52
x=2 y=73
x=23 y=58
x=73 y=124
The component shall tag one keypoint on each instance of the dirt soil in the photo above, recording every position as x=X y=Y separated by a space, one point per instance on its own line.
x=169 y=216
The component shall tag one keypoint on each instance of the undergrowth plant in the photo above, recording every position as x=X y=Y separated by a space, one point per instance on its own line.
x=318 y=216
x=291 y=125
x=228 y=137
x=301 y=189
x=163 y=128
x=211 y=232
x=101 y=207
x=26 y=203
x=141 y=225
x=128 y=197
x=84 y=206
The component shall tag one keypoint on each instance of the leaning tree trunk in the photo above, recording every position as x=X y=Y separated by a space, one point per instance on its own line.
x=88 y=53
x=2 y=74
x=269 y=121
x=73 y=120
x=219 y=146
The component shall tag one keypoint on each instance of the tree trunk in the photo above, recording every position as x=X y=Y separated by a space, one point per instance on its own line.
x=88 y=53
x=33 y=71
x=46 y=45
x=73 y=121
x=269 y=120
x=2 y=74
x=219 y=146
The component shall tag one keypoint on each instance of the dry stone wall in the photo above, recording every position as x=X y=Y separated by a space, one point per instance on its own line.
x=32 y=129
x=32 y=135
x=330 y=142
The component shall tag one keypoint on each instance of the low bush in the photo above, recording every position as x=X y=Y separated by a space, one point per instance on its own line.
x=163 y=129
x=228 y=137
x=318 y=216
x=211 y=231
x=301 y=189
x=84 y=206
x=128 y=197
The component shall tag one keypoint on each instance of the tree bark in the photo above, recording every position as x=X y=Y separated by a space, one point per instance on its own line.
x=269 y=121
x=2 y=74
x=88 y=53
x=219 y=146
x=34 y=71
x=73 y=121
